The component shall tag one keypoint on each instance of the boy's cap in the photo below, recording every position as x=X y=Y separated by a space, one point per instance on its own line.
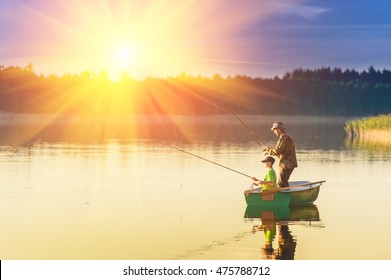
x=269 y=159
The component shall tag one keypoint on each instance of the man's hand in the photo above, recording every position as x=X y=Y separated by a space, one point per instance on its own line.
x=267 y=150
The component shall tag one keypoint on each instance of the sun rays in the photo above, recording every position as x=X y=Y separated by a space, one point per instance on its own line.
x=142 y=38
x=100 y=51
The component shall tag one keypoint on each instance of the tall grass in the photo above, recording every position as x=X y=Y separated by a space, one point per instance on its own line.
x=380 y=122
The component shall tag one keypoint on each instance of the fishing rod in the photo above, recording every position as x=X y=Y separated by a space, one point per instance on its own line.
x=259 y=140
x=218 y=164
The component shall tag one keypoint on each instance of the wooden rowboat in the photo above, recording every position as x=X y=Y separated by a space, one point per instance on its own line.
x=298 y=193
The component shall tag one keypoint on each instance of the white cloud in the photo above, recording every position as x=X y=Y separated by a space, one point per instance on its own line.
x=305 y=11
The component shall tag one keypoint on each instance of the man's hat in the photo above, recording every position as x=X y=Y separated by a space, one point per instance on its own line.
x=277 y=125
x=269 y=159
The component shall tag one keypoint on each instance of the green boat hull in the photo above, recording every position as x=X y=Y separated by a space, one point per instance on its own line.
x=296 y=196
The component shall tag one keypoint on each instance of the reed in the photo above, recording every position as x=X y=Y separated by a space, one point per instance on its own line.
x=379 y=125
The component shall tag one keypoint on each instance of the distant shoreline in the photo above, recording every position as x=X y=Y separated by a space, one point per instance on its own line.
x=305 y=92
x=11 y=119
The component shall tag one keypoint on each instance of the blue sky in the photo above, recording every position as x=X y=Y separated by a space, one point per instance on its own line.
x=346 y=34
x=259 y=38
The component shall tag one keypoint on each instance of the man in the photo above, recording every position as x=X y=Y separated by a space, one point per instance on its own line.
x=285 y=151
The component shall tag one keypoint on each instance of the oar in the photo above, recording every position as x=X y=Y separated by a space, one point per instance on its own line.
x=278 y=189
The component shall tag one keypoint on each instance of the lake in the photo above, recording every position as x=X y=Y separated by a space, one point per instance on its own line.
x=109 y=190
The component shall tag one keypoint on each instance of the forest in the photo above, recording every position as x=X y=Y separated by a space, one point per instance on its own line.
x=325 y=91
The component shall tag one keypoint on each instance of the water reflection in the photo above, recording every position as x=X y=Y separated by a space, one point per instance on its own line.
x=275 y=223
x=47 y=183
x=327 y=133
x=374 y=145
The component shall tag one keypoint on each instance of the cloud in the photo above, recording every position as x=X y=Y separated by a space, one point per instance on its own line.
x=304 y=11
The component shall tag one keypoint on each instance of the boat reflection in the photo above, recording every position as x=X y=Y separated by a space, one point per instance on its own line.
x=279 y=242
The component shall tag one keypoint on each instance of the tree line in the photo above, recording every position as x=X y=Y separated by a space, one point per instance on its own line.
x=323 y=91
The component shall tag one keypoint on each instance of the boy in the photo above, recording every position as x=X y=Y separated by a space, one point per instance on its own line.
x=270 y=180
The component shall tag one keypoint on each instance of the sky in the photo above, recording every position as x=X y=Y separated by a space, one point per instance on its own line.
x=258 y=38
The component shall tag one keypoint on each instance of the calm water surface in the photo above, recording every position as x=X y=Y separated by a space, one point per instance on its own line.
x=133 y=198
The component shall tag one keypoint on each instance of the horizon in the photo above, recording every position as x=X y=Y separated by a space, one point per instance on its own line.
x=154 y=39
x=103 y=74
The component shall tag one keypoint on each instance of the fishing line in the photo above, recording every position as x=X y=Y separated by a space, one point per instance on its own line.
x=258 y=140
x=210 y=161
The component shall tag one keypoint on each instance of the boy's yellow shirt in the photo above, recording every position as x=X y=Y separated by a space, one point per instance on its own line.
x=270 y=176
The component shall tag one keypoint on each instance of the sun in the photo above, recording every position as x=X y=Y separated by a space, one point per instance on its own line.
x=137 y=58
x=125 y=55
x=121 y=57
